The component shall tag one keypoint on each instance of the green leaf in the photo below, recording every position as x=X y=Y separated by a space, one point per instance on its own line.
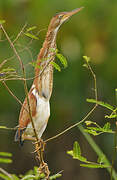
x=5 y=160
x=53 y=50
x=6 y=154
x=95 y=128
x=55 y=176
x=93 y=132
x=111 y=116
x=87 y=59
x=70 y=152
x=116 y=95
x=76 y=149
x=31 y=36
x=76 y=153
x=56 y=66
x=30 y=172
x=101 y=159
x=62 y=59
x=34 y=64
x=89 y=122
x=42 y=175
x=85 y=65
x=31 y=28
x=81 y=158
x=107 y=126
x=4 y=177
x=94 y=165
x=3 y=127
x=36 y=171
x=108 y=106
x=31 y=177
x=15 y=177
x=8 y=70
x=2 y=21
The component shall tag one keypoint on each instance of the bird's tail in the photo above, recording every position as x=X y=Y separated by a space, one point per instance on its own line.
x=18 y=136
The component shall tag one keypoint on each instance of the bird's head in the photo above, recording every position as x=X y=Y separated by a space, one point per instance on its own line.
x=60 y=18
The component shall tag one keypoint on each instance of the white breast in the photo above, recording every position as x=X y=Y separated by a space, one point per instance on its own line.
x=42 y=115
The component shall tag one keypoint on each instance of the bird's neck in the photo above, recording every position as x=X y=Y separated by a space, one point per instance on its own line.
x=44 y=75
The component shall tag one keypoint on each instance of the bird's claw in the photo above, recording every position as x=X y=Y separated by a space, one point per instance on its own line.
x=39 y=145
x=44 y=169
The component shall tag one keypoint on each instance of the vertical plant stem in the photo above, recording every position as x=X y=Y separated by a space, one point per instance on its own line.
x=95 y=81
x=115 y=141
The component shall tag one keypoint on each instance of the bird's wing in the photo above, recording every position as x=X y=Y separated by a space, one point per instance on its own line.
x=24 y=117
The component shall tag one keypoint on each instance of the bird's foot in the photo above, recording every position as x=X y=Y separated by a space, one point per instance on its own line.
x=44 y=169
x=39 y=145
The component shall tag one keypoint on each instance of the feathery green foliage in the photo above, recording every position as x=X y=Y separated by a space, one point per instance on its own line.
x=31 y=36
x=30 y=175
x=97 y=130
x=4 y=157
x=56 y=66
x=31 y=28
x=76 y=154
x=101 y=103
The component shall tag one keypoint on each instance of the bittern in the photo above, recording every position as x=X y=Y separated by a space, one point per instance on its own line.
x=41 y=89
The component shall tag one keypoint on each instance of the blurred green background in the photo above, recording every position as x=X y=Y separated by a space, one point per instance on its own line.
x=92 y=32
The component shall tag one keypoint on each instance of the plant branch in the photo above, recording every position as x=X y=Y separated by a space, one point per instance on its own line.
x=15 y=97
x=95 y=80
x=20 y=33
x=74 y=125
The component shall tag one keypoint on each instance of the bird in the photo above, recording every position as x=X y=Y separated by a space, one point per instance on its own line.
x=41 y=89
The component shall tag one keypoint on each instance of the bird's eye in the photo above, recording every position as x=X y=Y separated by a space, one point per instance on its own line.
x=60 y=16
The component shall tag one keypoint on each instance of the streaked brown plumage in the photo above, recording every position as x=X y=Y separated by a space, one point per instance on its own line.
x=41 y=90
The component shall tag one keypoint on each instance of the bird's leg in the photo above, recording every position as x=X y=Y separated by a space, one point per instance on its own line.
x=39 y=145
x=44 y=169
x=39 y=149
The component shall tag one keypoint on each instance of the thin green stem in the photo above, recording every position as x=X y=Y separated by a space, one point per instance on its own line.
x=74 y=125
x=115 y=141
x=95 y=80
